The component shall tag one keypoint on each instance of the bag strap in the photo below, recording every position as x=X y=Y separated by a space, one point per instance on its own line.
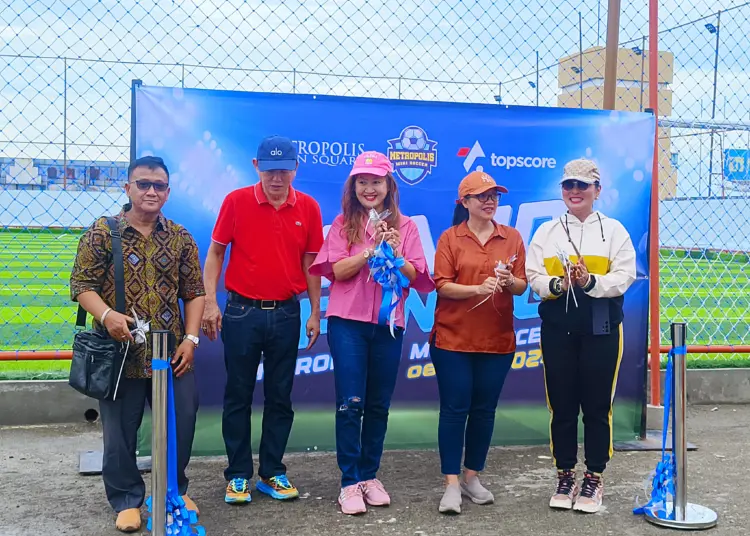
x=117 y=260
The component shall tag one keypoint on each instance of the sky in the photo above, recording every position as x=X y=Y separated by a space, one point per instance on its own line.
x=66 y=67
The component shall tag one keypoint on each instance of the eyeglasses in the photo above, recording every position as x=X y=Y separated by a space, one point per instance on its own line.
x=484 y=197
x=569 y=184
x=145 y=185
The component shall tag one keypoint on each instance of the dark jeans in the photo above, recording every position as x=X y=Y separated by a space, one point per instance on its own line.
x=366 y=359
x=121 y=419
x=580 y=374
x=249 y=332
x=469 y=385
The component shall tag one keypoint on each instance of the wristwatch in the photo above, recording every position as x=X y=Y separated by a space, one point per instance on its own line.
x=555 y=286
x=192 y=338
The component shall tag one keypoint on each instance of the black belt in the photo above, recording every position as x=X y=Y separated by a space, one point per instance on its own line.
x=260 y=304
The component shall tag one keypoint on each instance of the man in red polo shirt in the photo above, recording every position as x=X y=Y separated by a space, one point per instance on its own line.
x=275 y=233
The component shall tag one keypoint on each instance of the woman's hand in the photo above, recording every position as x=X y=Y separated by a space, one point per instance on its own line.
x=504 y=277
x=488 y=287
x=581 y=273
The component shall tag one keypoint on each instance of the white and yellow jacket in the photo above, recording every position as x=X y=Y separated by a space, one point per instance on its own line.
x=609 y=255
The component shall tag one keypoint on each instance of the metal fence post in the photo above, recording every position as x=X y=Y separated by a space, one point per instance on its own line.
x=685 y=516
x=160 y=348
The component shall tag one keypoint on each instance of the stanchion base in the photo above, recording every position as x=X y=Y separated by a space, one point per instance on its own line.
x=697 y=517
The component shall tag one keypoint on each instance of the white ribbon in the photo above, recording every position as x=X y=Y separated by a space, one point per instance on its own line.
x=567 y=265
x=139 y=335
x=499 y=266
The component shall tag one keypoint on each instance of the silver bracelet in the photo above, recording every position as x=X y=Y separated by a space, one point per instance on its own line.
x=104 y=315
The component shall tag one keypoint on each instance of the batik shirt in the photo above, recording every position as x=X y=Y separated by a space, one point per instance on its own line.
x=159 y=271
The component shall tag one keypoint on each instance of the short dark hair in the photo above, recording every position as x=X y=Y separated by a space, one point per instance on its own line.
x=151 y=162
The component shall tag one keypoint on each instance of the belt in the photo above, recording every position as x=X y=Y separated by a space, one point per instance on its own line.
x=260 y=304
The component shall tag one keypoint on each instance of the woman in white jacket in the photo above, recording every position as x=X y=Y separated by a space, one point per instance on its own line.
x=581 y=264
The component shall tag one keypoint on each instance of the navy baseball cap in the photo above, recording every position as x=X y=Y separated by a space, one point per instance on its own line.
x=277 y=152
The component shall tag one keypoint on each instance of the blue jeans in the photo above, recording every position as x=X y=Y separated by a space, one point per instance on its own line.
x=366 y=359
x=469 y=385
x=249 y=332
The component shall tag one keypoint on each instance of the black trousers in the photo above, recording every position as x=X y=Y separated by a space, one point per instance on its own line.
x=580 y=374
x=249 y=333
x=121 y=419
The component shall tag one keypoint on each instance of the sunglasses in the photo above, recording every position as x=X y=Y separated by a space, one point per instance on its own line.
x=484 y=197
x=145 y=186
x=572 y=183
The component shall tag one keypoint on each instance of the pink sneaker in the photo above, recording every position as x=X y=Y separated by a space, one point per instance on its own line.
x=375 y=494
x=351 y=500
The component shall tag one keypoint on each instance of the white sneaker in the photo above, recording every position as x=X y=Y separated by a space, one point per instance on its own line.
x=592 y=492
x=566 y=491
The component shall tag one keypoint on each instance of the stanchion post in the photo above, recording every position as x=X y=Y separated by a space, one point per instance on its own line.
x=679 y=444
x=160 y=348
x=680 y=513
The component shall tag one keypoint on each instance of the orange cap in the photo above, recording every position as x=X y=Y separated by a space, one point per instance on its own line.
x=478 y=182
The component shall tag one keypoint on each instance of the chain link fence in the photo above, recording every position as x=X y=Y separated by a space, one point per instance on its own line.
x=66 y=71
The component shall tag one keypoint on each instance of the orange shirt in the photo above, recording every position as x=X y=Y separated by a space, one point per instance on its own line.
x=460 y=258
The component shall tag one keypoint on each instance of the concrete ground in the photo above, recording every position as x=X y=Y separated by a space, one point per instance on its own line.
x=41 y=491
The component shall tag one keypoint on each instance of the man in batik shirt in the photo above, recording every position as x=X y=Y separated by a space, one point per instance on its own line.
x=161 y=267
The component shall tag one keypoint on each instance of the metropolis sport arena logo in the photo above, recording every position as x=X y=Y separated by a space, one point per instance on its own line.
x=328 y=153
x=471 y=155
x=413 y=155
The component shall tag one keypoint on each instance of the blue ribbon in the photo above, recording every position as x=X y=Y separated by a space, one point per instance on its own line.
x=180 y=520
x=385 y=271
x=662 y=484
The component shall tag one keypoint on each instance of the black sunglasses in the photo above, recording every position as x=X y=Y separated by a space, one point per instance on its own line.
x=145 y=185
x=572 y=183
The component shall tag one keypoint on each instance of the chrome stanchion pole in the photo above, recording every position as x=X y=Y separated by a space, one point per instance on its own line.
x=681 y=514
x=679 y=444
x=160 y=347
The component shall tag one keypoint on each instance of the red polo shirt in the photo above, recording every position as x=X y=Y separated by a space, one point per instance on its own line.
x=267 y=245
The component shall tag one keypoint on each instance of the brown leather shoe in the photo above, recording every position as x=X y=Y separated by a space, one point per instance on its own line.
x=190 y=505
x=129 y=520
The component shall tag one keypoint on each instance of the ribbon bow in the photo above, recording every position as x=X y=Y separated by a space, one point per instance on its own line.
x=385 y=271
x=180 y=520
x=662 y=478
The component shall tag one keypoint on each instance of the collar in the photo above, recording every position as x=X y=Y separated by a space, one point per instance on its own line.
x=161 y=222
x=260 y=195
x=463 y=230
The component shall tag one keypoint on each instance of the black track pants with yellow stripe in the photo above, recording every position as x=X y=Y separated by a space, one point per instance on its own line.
x=580 y=374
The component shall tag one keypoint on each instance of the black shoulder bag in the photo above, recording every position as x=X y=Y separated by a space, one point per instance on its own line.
x=98 y=359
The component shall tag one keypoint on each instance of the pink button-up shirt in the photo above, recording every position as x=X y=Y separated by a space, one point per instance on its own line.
x=357 y=298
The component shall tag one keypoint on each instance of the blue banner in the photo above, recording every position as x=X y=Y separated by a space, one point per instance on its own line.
x=209 y=138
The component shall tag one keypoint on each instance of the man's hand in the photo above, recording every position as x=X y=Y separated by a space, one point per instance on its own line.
x=211 y=322
x=117 y=326
x=313 y=329
x=184 y=356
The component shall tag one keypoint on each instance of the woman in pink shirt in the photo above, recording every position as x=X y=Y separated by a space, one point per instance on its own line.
x=366 y=356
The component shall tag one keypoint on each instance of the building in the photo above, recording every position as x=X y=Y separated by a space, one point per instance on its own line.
x=74 y=175
x=581 y=82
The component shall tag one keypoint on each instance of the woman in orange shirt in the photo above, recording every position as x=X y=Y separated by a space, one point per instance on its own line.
x=479 y=267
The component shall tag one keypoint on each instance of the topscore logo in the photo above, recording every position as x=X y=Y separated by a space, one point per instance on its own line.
x=328 y=153
x=470 y=155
